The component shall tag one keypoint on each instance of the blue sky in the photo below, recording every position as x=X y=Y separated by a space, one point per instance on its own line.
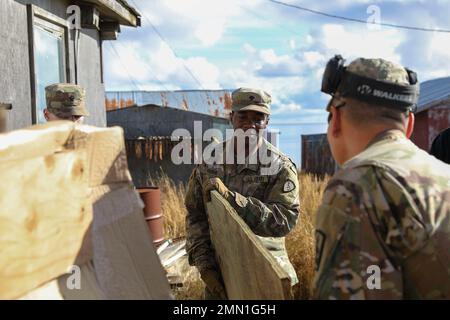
x=256 y=43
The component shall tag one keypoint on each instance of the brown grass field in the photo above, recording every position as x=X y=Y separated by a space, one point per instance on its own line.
x=299 y=243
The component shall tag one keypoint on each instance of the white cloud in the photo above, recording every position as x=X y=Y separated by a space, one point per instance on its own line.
x=157 y=69
x=279 y=88
x=289 y=107
x=207 y=72
x=436 y=58
x=292 y=44
x=277 y=66
x=204 y=21
x=313 y=58
x=362 y=42
x=248 y=48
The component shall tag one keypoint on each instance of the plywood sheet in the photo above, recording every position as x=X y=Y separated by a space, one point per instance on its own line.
x=44 y=208
x=248 y=269
x=66 y=198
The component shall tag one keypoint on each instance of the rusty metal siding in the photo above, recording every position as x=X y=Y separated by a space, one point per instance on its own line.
x=316 y=155
x=210 y=102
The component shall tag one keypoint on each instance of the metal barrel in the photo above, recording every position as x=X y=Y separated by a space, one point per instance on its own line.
x=153 y=214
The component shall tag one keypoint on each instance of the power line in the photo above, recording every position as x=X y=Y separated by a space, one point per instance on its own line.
x=358 y=20
x=124 y=66
x=168 y=44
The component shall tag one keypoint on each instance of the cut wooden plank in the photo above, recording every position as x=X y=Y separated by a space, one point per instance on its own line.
x=248 y=269
x=66 y=197
x=44 y=208
x=107 y=158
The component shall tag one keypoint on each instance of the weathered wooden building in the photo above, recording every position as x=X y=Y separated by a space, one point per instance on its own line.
x=42 y=44
x=433 y=112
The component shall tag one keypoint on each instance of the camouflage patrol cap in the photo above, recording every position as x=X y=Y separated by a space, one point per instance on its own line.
x=66 y=99
x=247 y=99
x=377 y=82
x=380 y=70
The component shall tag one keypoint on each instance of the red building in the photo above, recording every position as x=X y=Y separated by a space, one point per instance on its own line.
x=433 y=112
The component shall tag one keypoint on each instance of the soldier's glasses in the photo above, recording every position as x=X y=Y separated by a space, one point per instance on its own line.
x=258 y=120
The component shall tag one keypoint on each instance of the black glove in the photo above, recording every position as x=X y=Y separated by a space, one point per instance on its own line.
x=213 y=282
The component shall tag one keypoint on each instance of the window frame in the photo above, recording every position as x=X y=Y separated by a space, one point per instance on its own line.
x=34 y=15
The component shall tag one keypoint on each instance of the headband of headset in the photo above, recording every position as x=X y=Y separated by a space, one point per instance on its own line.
x=349 y=84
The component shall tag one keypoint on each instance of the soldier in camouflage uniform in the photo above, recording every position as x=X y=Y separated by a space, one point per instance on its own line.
x=383 y=228
x=65 y=101
x=265 y=195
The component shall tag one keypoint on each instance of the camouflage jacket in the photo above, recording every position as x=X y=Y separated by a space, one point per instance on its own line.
x=383 y=228
x=268 y=203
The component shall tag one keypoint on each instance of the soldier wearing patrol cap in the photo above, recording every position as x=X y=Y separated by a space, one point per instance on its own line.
x=383 y=228
x=267 y=200
x=65 y=101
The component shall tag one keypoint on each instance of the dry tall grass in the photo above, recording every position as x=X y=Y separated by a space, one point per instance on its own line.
x=299 y=243
x=172 y=206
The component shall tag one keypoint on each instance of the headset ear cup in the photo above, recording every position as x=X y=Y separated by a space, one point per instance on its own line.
x=412 y=76
x=332 y=75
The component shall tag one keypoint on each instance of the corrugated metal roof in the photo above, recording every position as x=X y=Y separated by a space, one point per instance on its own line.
x=211 y=102
x=432 y=91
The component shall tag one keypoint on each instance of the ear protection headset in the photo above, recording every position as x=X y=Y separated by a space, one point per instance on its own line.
x=402 y=97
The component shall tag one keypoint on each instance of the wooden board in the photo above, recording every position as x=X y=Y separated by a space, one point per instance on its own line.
x=66 y=197
x=44 y=208
x=249 y=270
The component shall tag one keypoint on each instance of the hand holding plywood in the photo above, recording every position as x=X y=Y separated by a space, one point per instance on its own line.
x=248 y=269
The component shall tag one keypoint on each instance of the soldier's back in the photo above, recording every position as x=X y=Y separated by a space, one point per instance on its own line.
x=406 y=194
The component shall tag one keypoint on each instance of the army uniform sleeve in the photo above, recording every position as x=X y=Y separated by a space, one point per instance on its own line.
x=198 y=241
x=362 y=236
x=278 y=214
